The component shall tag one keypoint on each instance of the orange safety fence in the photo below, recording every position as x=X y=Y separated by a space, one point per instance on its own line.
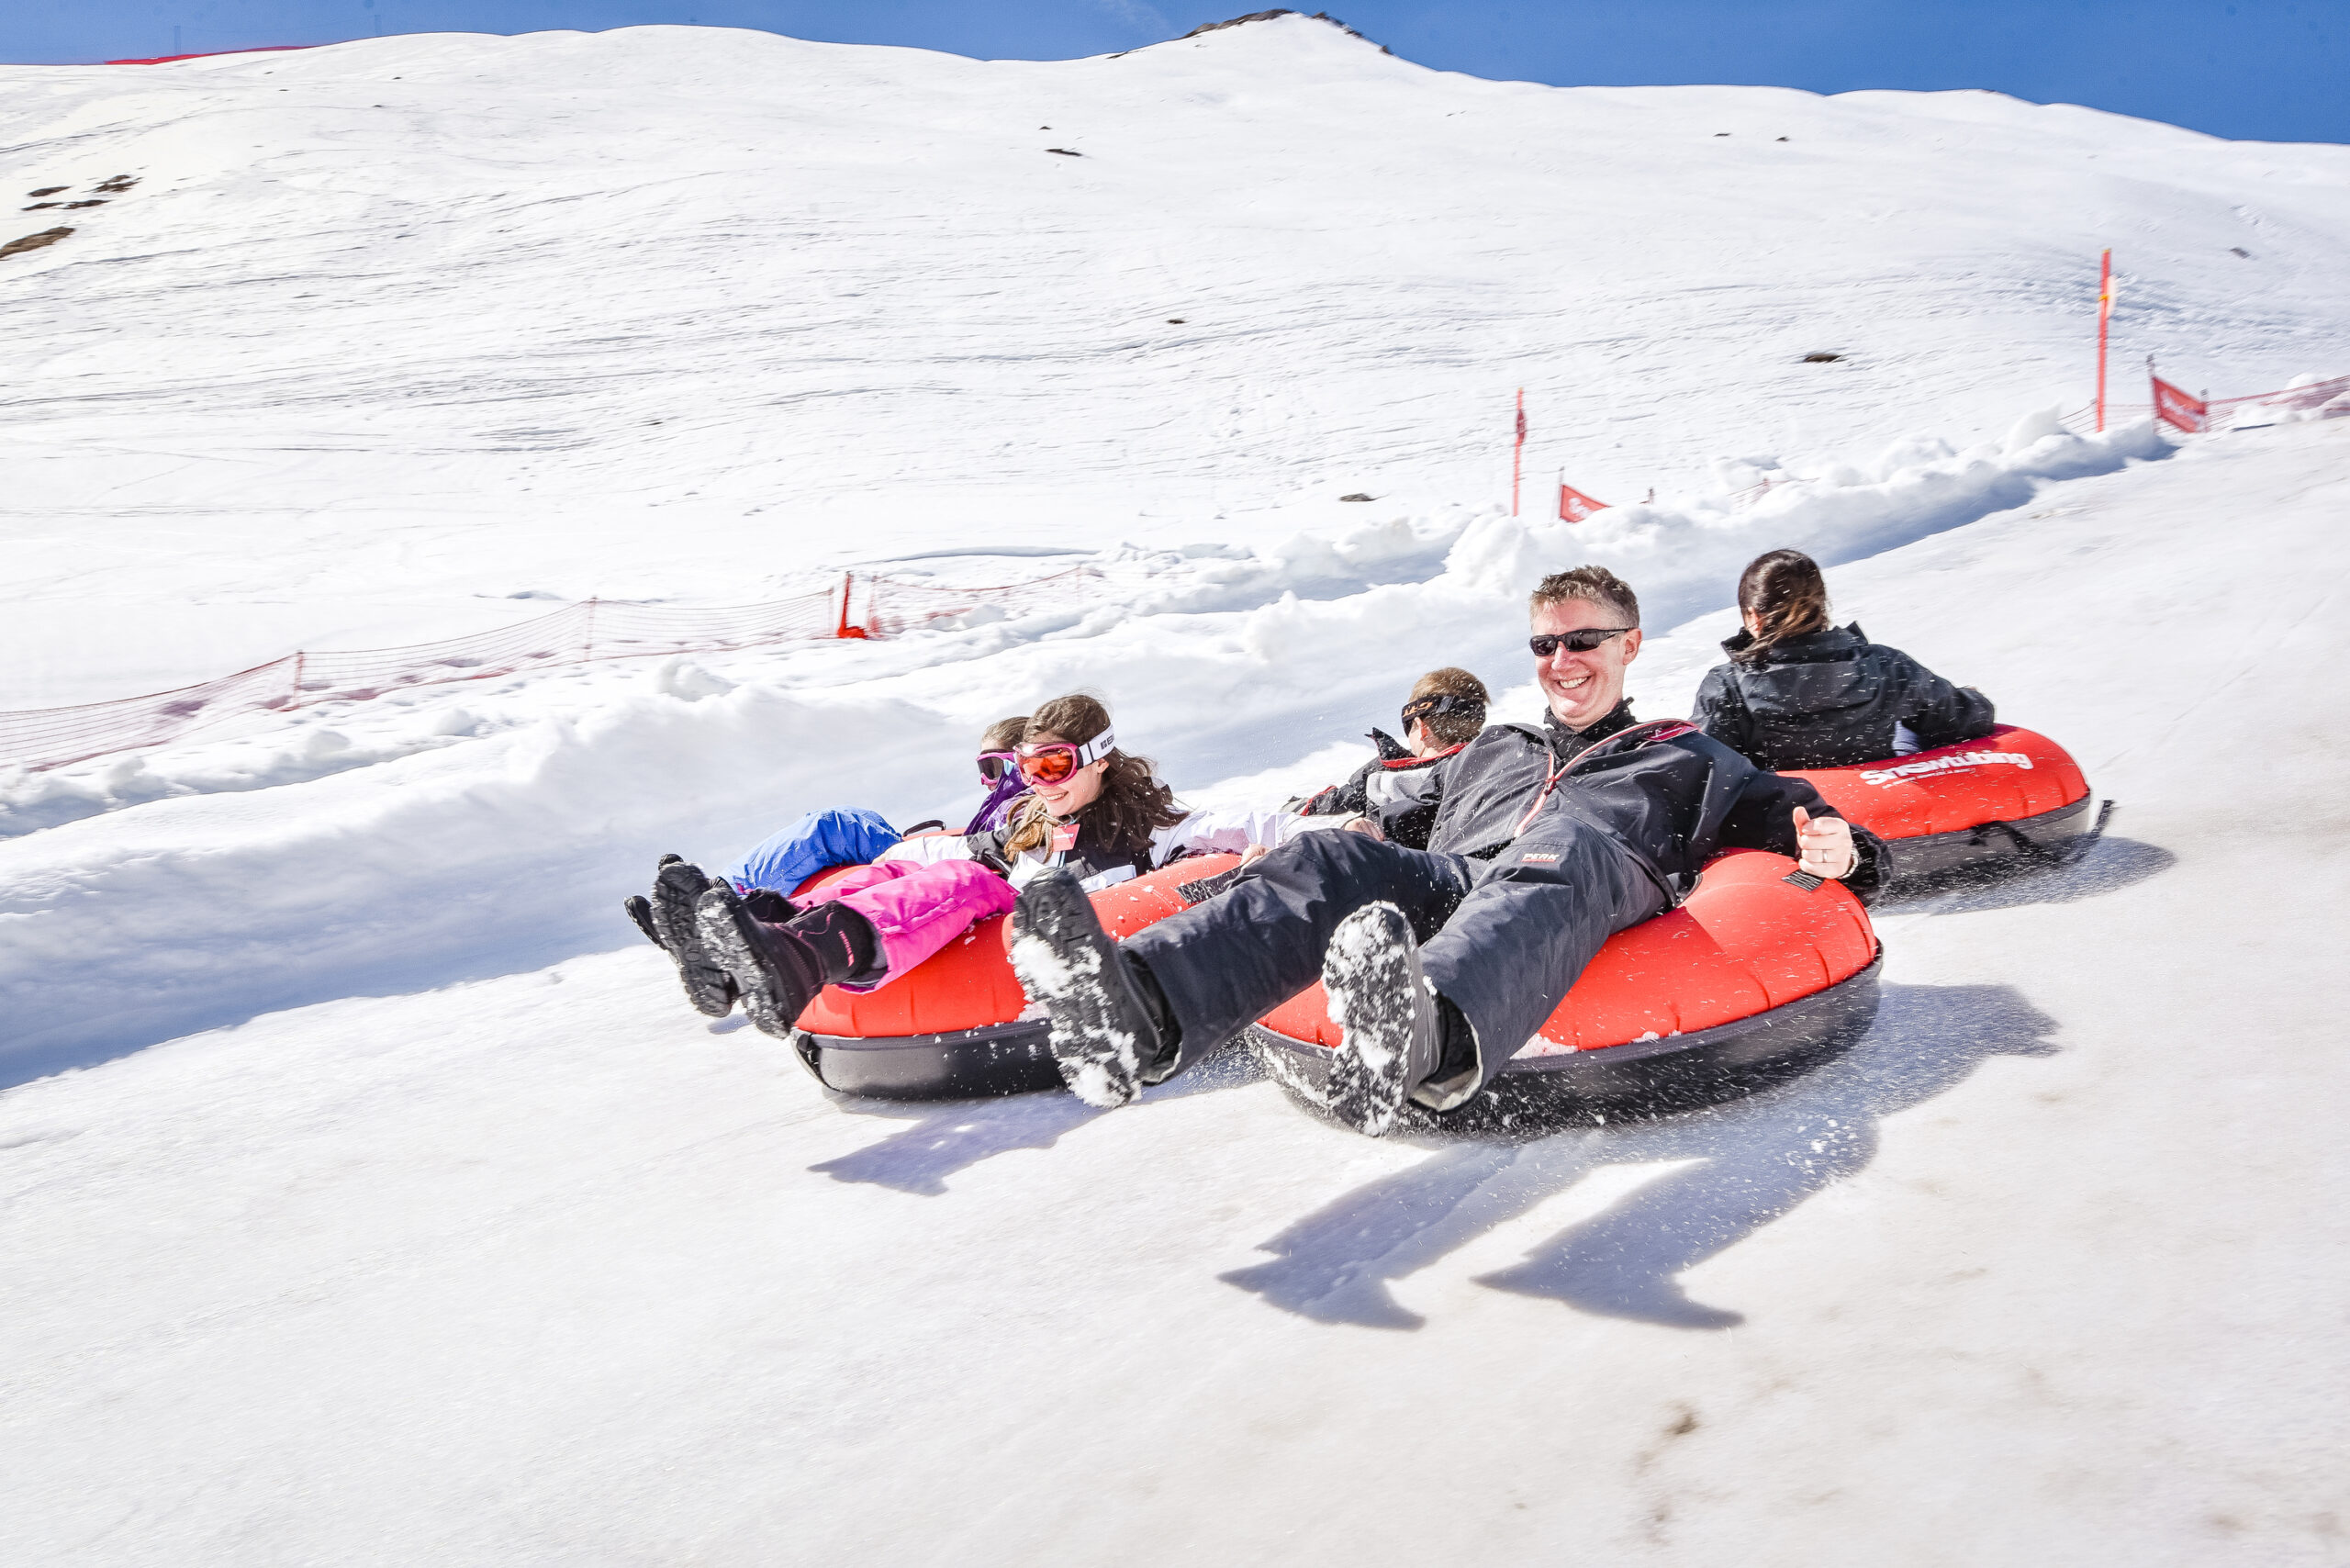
x=893 y=605
x=591 y=631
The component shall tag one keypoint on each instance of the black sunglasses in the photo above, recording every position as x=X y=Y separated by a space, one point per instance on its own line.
x=1581 y=642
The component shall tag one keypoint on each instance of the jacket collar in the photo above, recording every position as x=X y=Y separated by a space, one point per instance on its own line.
x=1827 y=643
x=1565 y=743
x=1410 y=760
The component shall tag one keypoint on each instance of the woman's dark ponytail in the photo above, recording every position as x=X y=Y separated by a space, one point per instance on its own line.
x=1787 y=596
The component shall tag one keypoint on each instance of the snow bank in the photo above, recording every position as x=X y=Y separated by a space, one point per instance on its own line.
x=186 y=912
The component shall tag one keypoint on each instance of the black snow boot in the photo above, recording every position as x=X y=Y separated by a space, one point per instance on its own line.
x=677 y=886
x=1392 y=1035
x=776 y=969
x=640 y=910
x=1104 y=1035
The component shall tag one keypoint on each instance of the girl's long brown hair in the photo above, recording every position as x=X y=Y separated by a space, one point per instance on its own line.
x=1787 y=596
x=1133 y=801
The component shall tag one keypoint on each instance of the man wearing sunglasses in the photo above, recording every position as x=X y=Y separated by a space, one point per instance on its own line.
x=1439 y=963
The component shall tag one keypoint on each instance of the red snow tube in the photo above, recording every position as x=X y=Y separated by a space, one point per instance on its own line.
x=2014 y=798
x=1752 y=975
x=953 y=1028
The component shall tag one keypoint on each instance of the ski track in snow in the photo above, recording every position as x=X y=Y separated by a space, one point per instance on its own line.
x=402 y=1210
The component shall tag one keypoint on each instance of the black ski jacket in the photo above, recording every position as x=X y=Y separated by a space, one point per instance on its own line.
x=1397 y=787
x=1831 y=700
x=1672 y=803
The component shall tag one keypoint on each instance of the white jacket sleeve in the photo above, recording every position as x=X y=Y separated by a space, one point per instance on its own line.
x=1230 y=833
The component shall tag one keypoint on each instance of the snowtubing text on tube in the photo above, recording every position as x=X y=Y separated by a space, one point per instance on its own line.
x=1762 y=971
x=2012 y=801
x=1752 y=976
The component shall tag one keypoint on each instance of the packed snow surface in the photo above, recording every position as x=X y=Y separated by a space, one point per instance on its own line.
x=371 y=1196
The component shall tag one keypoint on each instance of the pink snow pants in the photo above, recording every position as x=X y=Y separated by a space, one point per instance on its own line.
x=917 y=909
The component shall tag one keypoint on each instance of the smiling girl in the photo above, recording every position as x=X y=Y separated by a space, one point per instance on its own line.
x=1093 y=809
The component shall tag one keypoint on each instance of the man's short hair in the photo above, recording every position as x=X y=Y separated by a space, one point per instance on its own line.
x=1595 y=584
x=1464 y=715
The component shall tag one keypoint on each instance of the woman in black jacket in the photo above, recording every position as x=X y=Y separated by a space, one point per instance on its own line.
x=1800 y=693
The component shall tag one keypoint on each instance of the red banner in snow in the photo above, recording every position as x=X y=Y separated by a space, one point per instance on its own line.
x=1574 y=506
x=2174 y=408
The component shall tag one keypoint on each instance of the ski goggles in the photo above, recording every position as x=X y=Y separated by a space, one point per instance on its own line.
x=1439 y=702
x=1053 y=761
x=1581 y=642
x=994 y=765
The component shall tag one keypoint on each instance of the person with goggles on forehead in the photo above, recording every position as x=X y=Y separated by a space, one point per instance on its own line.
x=1439 y=963
x=1444 y=712
x=770 y=870
x=1091 y=812
x=1798 y=692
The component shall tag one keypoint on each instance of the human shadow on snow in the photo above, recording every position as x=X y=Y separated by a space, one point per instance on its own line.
x=1474 y=1177
x=946 y=1138
x=1756 y=1159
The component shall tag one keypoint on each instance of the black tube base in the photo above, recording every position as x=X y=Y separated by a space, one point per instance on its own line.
x=1646 y=1078
x=967 y=1064
x=1997 y=849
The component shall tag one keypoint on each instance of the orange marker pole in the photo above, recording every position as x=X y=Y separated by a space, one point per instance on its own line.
x=2104 y=316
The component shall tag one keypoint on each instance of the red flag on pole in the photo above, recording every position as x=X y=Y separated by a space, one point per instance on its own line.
x=2173 y=407
x=1574 y=506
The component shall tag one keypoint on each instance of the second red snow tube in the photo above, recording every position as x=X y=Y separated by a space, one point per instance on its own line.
x=2012 y=799
x=1753 y=973
x=1754 y=976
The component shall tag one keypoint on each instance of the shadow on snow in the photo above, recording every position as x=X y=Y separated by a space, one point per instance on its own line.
x=1755 y=1159
x=945 y=1139
x=2110 y=865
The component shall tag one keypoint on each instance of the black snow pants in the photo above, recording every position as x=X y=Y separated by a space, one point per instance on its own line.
x=1503 y=940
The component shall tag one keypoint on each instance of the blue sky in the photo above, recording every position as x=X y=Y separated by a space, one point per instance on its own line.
x=2270 y=69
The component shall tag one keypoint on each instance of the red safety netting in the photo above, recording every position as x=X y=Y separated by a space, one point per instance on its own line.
x=2173 y=407
x=577 y=633
x=895 y=605
x=51 y=737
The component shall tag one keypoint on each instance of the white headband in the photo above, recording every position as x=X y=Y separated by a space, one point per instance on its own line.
x=1088 y=752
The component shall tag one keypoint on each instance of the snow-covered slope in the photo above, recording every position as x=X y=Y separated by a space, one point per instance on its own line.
x=391 y=331
x=543 y=1268
x=402 y=1212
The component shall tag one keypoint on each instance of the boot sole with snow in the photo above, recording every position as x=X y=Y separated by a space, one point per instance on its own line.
x=1068 y=963
x=1372 y=975
x=720 y=923
x=676 y=889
